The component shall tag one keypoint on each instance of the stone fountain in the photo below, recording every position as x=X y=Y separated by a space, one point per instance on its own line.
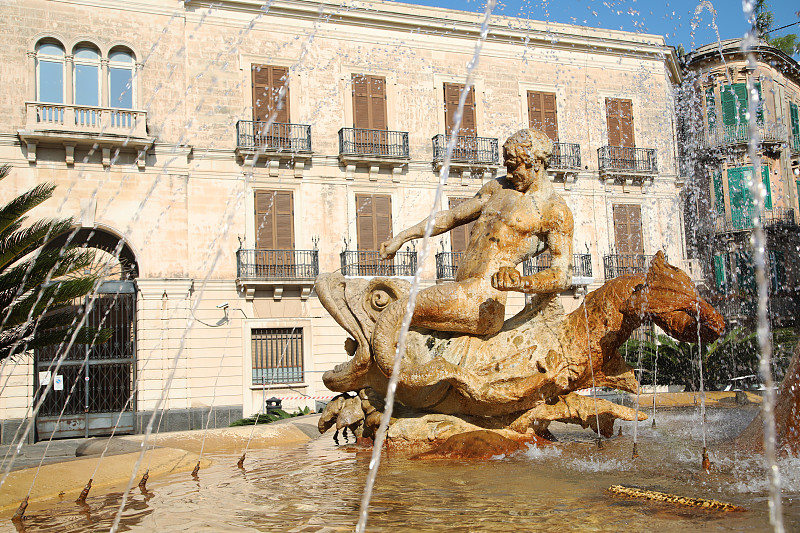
x=464 y=368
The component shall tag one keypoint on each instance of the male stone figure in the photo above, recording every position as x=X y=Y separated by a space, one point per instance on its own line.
x=516 y=217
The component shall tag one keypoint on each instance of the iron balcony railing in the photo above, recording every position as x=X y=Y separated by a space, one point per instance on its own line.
x=566 y=156
x=581 y=265
x=796 y=144
x=468 y=149
x=724 y=134
x=373 y=143
x=254 y=135
x=277 y=264
x=621 y=264
x=625 y=158
x=369 y=263
x=447 y=264
x=778 y=217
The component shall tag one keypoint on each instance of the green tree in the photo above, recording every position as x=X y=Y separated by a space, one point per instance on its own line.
x=38 y=285
x=789 y=44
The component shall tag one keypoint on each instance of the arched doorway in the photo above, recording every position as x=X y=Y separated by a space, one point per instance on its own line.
x=94 y=389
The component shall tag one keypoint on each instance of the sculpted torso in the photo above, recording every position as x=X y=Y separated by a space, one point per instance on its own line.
x=506 y=233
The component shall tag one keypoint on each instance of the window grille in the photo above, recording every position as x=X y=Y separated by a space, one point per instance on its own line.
x=277 y=355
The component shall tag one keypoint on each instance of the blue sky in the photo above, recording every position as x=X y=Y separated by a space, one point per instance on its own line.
x=672 y=18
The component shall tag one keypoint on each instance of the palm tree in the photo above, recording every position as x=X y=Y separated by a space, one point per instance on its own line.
x=39 y=285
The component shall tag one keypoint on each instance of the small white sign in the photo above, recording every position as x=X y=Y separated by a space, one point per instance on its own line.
x=58 y=382
x=44 y=378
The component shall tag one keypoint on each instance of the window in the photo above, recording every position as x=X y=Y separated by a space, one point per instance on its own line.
x=459 y=237
x=369 y=102
x=628 y=229
x=619 y=117
x=277 y=355
x=120 y=79
x=452 y=94
x=719 y=195
x=734 y=104
x=373 y=220
x=720 y=272
x=711 y=110
x=794 y=119
x=267 y=84
x=50 y=72
x=274 y=255
x=542 y=114
x=86 y=76
x=742 y=205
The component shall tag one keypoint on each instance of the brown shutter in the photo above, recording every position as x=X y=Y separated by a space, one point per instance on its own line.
x=452 y=93
x=373 y=220
x=542 y=114
x=619 y=116
x=369 y=102
x=360 y=102
x=267 y=83
x=628 y=229
x=274 y=220
x=459 y=237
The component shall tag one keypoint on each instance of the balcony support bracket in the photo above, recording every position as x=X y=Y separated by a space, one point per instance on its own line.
x=277 y=293
x=69 y=154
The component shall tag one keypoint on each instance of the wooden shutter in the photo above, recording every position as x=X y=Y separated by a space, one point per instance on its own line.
x=628 y=229
x=373 y=220
x=274 y=220
x=542 y=113
x=619 y=116
x=369 y=102
x=719 y=196
x=734 y=104
x=452 y=93
x=711 y=110
x=267 y=83
x=459 y=237
x=795 y=119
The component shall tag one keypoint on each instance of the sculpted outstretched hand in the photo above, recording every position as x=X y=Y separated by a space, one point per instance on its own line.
x=389 y=248
x=507 y=279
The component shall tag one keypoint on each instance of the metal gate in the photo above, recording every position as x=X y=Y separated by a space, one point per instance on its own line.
x=94 y=383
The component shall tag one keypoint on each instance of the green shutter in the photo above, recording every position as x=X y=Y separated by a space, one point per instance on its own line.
x=734 y=104
x=767 y=191
x=719 y=195
x=711 y=110
x=795 y=123
x=777 y=270
x=745 y=275
x=719 y=271
x=760 y=109
x=739 y=198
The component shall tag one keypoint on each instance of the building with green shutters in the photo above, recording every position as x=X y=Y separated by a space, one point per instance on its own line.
x=717 y=123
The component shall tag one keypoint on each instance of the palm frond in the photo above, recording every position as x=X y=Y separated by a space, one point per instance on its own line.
x=23 y=203
x=15 y=246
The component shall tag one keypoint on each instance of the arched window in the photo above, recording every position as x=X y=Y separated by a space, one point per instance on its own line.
x=50 y=72
x=120 y=79
x=87 y=76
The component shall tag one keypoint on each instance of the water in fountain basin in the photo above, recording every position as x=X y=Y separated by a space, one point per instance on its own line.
x=317 y=487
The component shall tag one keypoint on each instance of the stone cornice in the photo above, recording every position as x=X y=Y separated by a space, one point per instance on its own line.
x=731 y=50
x=423 y=20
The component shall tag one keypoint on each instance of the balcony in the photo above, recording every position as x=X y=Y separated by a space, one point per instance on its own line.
x=581 y=268
x=795 y=145
x=739 y=134
x=624 y=161
x=274 y=143
x=73 y=125
x=565 y=163
x=447 y=264
x=776 y=218
x=367 y=263
x=622 y=264
x=374 y=149
x=477 y=154
x=277 y=268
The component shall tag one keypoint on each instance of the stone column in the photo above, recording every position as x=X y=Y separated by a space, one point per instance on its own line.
x=104 y=96
x=69 y=74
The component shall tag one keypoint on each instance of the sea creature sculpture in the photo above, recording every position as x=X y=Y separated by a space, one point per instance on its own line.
x=524 y=376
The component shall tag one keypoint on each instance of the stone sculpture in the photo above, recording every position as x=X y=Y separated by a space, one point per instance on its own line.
x=464 y=368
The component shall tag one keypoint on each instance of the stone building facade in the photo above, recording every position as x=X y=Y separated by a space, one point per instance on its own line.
x=227 y=152
x=721 y=208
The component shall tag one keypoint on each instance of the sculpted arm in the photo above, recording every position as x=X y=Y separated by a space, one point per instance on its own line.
x=463 y=213
x=559 y=227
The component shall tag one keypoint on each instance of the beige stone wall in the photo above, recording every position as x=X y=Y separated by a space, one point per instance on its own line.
x=185 y=211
